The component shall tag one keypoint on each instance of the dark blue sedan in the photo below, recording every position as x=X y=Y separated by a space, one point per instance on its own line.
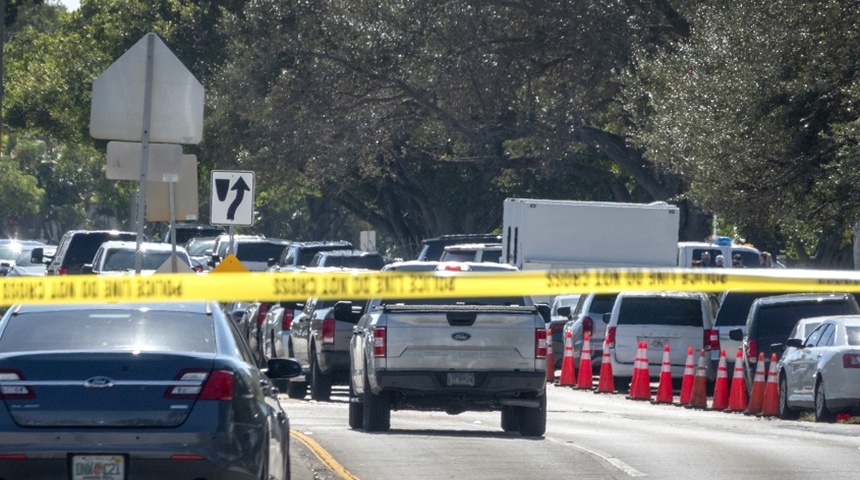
x=136 y=391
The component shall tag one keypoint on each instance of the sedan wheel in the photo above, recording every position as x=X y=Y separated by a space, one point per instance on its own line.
x=822 y=414
x=785 y=412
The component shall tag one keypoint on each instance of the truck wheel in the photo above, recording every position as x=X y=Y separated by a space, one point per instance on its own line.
x=297 y=390
x=356 y=410
x=377 y=411
x=533 y=420
x=320 y=382
x=510 y=419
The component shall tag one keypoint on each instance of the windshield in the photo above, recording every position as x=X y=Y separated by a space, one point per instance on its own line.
x=123 y=260
x=145 y=330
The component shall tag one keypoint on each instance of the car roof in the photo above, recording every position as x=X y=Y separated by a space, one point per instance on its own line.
x=119 y=244
x=203 y=307
x=802 y=298
x=429 y=266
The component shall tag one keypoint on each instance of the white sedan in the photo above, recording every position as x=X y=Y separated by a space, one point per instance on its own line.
x=822 y=373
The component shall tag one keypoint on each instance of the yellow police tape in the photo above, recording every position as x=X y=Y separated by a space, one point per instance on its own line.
x=225 y=287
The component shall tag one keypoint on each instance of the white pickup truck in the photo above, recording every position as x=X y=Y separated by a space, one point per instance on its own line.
x=451 y=355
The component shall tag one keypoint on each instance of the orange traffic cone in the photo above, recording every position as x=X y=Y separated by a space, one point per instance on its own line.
x=550 y=360
x=585 y=380
x=721 y=387
x=568 y=374
x=757 y=395
x=770 y=406
x=606 y=382
x=738 y=395
x=664 y=390
x=699 y=397
x=640 y=386
x=689 y=379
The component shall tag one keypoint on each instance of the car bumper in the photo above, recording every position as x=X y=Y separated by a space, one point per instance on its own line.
x=46 y=454
x=436 y=382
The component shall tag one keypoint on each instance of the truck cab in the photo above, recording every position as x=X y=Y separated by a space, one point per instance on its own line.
x=690 y=253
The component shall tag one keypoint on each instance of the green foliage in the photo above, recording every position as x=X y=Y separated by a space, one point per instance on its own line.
x=755 y=112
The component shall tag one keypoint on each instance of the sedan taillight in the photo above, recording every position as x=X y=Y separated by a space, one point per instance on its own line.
x=202 y=385
x=851 y=360
x=10 y=390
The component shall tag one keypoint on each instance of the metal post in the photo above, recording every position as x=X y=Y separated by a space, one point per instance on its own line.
x=144 y=150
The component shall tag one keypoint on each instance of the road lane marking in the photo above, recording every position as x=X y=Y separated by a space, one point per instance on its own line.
x=612 y=460
x=323 y=456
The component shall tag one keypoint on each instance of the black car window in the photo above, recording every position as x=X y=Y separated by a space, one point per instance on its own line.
x=774 y=322
x=145 y=330
x=661 y=311
x=602 y=303
x=83 y=247
x=258 y=251
x=735 y=307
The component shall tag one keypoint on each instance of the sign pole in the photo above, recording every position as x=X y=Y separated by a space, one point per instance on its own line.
x=144 y=150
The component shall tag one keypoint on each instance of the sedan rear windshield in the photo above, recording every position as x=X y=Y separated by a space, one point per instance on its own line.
x=686 y=312
x=109 y=330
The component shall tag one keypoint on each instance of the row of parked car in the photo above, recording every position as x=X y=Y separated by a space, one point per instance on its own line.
x=815 y=337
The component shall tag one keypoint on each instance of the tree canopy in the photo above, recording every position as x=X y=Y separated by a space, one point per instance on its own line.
x=418 y=119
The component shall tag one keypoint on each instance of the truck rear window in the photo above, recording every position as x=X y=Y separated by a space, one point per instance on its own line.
x=685 y=312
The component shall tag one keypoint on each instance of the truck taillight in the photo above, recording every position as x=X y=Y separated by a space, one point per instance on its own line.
x=379 y=342
x=610 y=337
x=540 y=342
x=287 y=319
x=851 y=360
x=62 y=271
x=587 y=324
x=712 y=340
x=14 y=392
x=261 y=314
x=752 y=351
x=328 y=331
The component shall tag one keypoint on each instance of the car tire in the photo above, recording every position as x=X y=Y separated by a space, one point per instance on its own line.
x=320 y=383
x=822 y=414
x=510 y=418
x=532 y=420
x=356 y=410
x=377 y=411
x=297 y=389
x=785 y=412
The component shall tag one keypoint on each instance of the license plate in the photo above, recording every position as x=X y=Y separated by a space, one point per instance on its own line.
x=655 y=342
x=98 y=467
x=461 y=379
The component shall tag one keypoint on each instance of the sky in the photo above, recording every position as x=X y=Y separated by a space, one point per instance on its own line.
x=71 y=5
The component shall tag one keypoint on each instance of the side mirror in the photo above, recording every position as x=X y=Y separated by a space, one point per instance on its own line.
x=271 y=262
x=563 y=311
x=283 y=368
x=87 y=269
x=737 y=334
x=794 y=342
x=343 y=311
x=543 y=310
x=37 y=255
x=607 y=317
x=778 y=347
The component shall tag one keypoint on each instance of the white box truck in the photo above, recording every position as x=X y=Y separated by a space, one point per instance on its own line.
x=556 y=234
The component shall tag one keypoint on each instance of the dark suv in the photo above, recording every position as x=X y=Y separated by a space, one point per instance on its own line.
x=78 y=247
x=771 y=320
x=300 y=254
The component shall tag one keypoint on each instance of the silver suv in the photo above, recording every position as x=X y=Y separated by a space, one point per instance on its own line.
x=676 y=319
x=588 y=316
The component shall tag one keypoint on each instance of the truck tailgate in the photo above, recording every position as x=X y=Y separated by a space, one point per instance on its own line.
x=475 y=338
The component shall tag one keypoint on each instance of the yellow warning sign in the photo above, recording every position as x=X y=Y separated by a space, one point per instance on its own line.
x=231 y=264
x=265 y=286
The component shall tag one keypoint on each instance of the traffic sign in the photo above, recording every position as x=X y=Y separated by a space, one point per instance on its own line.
x=119 y=96
x=232 y=198
x=185 y=203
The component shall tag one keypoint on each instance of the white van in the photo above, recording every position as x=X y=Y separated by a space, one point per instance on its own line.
x=677 y=319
